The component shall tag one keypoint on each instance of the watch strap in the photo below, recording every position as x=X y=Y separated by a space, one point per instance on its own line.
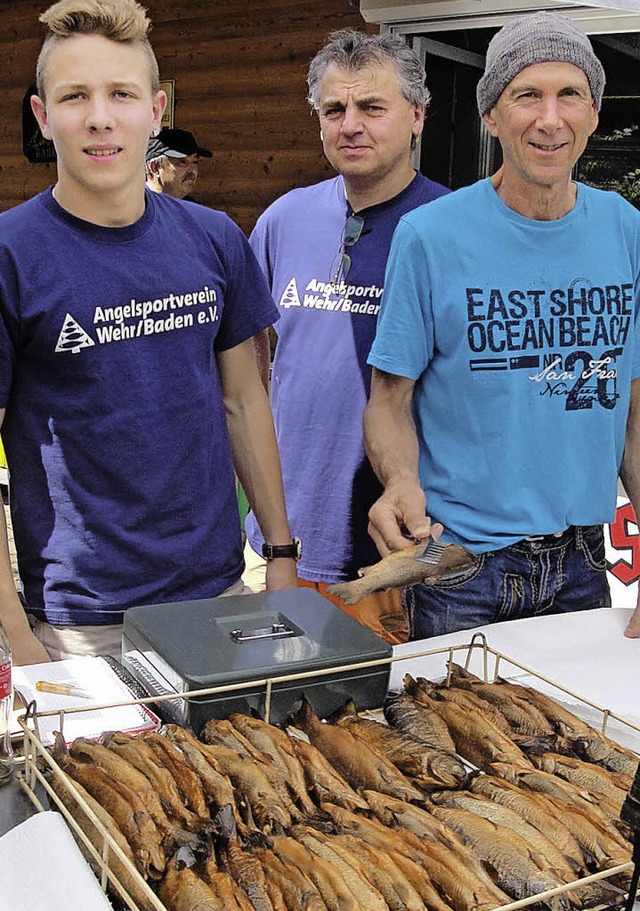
x=291 y=551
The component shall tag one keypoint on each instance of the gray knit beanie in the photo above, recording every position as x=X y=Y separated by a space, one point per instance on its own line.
x=536 y=38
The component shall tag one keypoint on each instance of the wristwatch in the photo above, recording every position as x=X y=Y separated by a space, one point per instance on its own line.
x=292 y=551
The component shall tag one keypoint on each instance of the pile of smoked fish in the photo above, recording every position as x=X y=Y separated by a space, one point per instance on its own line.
x=360 y=815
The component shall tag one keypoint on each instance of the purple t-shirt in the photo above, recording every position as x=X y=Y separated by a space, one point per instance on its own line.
x=122 y=484
x=320 y=378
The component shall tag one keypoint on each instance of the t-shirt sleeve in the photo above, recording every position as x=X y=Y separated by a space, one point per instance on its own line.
x=259 y=243
x=404 y=339
x=248 y=305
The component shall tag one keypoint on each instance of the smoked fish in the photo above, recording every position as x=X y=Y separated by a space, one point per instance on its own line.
x=140 y=755
x=519 y=870
x=405 y=714
x=534 y=811
x=476 y=738
x=593 y=778
x=353 y=758
x=322 y=780
x=122 y=873
x=183 y=890
x=577 y=734
x=298 y=891
x=276 y=744
x=123 y=805
x=366 y=895
x=455 y=869
x=189 y=785
x=328 y=880
x=88 y=751
x=402 y=568
x=468 y=700
x=430 y=768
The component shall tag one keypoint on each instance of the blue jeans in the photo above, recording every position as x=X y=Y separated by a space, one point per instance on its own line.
x=550 y=574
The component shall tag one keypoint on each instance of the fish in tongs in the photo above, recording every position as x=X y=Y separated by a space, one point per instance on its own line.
x=406 y=567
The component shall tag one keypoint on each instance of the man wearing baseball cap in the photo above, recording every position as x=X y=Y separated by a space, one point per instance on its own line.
x=505 y=398
x=172 y=162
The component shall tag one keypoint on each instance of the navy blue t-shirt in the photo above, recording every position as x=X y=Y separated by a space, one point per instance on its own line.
x=122 y=483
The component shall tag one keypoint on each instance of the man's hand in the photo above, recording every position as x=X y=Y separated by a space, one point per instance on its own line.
x=281 y=573
x=398 y=517
x=633 y=627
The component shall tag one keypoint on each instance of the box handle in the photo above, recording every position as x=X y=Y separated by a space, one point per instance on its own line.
x=275 y=631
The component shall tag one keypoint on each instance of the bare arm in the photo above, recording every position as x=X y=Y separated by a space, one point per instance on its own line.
x=255 y=453
x=24 y=646
x=391 y=444
x=630 y=475
x=262 y=346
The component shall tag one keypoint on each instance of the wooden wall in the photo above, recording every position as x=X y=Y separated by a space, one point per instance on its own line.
x=240 y=71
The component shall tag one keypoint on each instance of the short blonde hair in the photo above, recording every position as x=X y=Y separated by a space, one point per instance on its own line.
x=125 y=21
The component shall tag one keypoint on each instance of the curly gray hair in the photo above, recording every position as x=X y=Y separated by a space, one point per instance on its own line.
x=351 y=50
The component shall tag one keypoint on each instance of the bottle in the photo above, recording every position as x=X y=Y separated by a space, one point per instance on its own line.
x=6 y=705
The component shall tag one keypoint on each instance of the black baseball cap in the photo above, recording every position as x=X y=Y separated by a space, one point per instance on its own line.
x=175 y=144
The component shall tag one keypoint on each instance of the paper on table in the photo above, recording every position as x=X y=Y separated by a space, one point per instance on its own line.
x=97 y=677
x=42 y=869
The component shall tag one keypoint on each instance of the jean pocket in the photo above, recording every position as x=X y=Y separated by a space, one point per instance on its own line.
x=590 y=543
x=463 y=577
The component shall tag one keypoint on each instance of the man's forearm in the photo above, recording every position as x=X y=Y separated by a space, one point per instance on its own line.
x=262 y=346
x=390 y=441
x=255 y=453
x=24 y=646
x=391 y=444
x=257 y=464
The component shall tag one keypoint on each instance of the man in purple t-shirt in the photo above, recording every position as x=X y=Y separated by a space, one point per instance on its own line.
x=323 y=249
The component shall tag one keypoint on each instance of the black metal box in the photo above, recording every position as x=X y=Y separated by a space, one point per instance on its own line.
x=247 y=639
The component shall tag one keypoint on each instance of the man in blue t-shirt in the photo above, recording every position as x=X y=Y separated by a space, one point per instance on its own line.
x=506 y=391
x=323 y=249
x=128 y=385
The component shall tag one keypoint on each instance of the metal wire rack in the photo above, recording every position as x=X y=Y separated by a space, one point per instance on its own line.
x=39 y=766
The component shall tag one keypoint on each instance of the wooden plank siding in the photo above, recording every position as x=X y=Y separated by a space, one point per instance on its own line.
x=240 y=71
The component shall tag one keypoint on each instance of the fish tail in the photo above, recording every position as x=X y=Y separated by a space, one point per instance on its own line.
x=345 y=711
x=225 y=822
x=459 y=673
x=59 y=749
x=304 y=717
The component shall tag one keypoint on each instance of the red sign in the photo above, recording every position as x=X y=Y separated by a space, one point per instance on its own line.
x=622 y=538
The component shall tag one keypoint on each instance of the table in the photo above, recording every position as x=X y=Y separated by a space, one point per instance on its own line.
x=585 y=652
x=15 y=806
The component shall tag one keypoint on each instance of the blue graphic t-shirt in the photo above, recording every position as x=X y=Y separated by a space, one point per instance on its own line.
x=122 y=484
x=320 y=379
x=522 y=337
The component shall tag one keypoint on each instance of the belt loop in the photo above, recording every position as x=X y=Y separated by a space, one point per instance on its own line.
x=550 y=537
